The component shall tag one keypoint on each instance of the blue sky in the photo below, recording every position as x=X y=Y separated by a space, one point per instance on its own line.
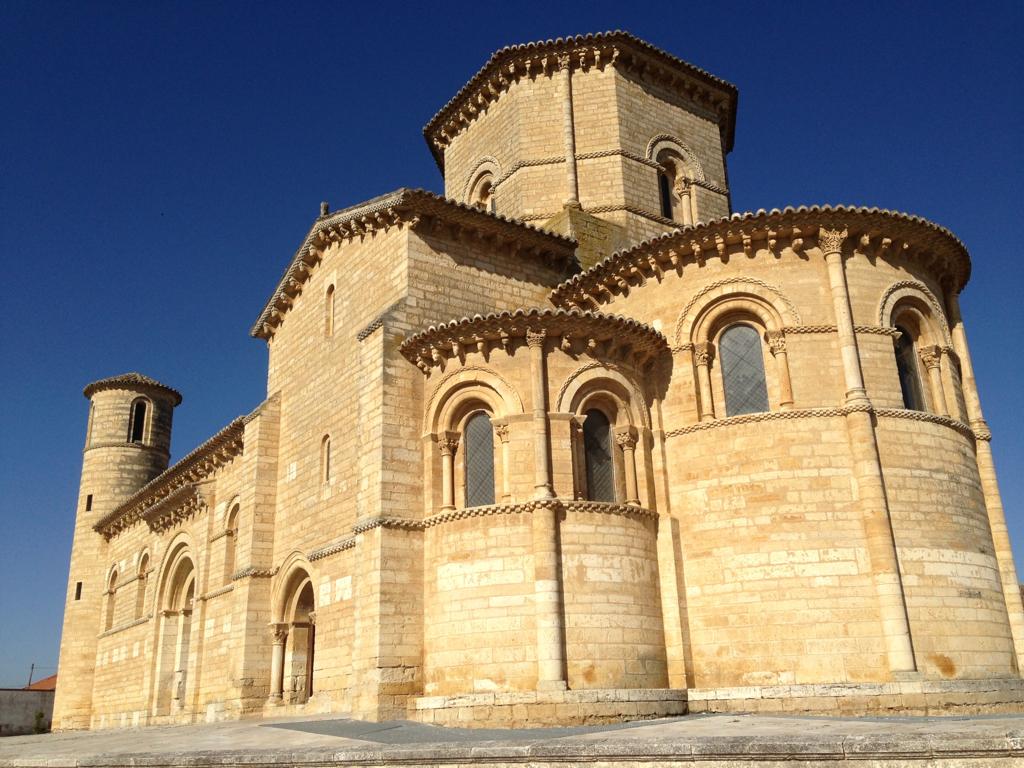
x=160 y=162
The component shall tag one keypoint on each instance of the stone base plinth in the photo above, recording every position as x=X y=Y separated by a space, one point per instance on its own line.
x=544 y=708
x=912 y=697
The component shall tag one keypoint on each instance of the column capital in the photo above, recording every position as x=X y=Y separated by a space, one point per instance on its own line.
x=931 y=356
x=279 y=630
x=535 y=339
x=448 y=442
x=703 y=353
x=501 y=430
x=831 y=241
x=776 y=341
x=625 y=438
x=564 y=61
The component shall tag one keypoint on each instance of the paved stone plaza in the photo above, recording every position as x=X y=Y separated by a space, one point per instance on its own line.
x=711 y=740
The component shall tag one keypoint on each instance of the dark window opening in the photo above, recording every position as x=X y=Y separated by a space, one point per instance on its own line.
x=906 y=366
x=88 y=503
x=78 y=590
x=665 y=188
x=138 y=422
x=598 y=457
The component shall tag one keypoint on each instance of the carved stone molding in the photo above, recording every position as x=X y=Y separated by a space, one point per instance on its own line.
x=831 y=240
x=703 y=353
x=771 y=234
x=608 y=337
x=776 y=341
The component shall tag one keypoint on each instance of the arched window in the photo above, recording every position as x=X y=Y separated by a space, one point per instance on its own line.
x=108 y=619
x=906 y=366
x=665 y=191
x=230 y=544
x=325 y=460
x=140 y=586
x=597 y=451
x=137 y=427
x=478 y=436
x=743 y=371
x=482 y=193
x=329 y=311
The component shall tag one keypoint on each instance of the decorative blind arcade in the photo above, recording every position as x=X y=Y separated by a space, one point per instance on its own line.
x=743 y=371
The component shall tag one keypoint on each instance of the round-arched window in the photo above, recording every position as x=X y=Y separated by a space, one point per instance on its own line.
x=598 y=456
x=478 y=437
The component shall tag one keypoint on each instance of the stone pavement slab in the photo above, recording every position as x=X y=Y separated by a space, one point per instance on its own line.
x=713 y=741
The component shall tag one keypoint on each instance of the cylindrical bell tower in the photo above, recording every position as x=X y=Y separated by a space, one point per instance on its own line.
x=127 y=444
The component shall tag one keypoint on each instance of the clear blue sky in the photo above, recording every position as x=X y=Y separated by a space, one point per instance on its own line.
x=159 y=163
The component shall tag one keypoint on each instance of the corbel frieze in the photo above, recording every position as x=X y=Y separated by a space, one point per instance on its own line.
x=573 y=332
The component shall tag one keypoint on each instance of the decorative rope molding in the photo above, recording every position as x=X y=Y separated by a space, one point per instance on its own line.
x=930 y=418
x=220 y=535
x=396 y=523
x=869 y=329
x=252 y=572
x=755 y=418
x=874 y=232
x=884 y=307
x=634 y=391
x=331 y=549
x=527 y=507
x=127 y=625
x=696 y=298
x=377 y=322
x=217 y=592
x=671 y=142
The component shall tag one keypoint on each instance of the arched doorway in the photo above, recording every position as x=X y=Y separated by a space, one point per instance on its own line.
x=294 y=642
x=175 y=629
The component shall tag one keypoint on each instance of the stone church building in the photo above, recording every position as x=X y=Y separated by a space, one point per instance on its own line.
x=572 y=443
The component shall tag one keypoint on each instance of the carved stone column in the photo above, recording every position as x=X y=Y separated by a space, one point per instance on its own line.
x=280 y=631
x=541 y=441
x=867 y=468
x=702 y=355
x=989 y=484
x=626 y=440
x=684 y=192
x=448 y=443
x=501 y=432
x=568 y=124
x=777 y=344
x=931 y=358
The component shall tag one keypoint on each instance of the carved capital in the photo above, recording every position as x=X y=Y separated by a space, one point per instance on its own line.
x=501 y=430
x=831 y=240
x=776 y=341
x=279 y=630
x=535 y=339
x=312 y=618
x=448 y=442
x=931 y=356
x=626 y=438
x=703 y=353
x=564 y=61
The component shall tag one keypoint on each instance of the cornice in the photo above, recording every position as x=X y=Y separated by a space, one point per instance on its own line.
x=604 y=336
x=422 y=211
x=874 y=232
x=133 y=381
x=584 y=52
x=176 y=483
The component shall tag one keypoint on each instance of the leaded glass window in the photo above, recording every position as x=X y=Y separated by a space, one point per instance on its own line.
x=598 y=456
x=906 y=366
x=743 y=371
x=665 y=192
x=478 y=438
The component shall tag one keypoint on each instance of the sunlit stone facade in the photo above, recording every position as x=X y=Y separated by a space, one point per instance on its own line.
x=569 y=444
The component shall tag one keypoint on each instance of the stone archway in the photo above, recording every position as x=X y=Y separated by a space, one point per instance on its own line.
x=294 y=641
x=174 y=636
